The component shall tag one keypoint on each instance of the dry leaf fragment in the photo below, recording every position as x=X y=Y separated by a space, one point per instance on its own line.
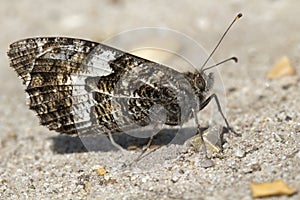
x=101 y=171
x=212 y=143
x=275 y=188
x=132 y=147
x=282 y=68
x=154 y=146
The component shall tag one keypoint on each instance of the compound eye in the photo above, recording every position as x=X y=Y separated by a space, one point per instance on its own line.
x=200 y=82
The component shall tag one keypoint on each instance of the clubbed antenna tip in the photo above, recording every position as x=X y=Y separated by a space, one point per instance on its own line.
x=213 y=51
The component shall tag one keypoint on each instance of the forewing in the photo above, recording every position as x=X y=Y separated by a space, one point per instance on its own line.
x=54 y=72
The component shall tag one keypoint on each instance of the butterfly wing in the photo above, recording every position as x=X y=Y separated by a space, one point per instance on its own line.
x=76 y=85
x=50 y=69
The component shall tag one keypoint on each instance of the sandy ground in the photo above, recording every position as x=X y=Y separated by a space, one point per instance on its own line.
x=39 y=164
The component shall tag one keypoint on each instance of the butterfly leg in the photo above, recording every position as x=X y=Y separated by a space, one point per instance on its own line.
x=113 y=142
x=215 y=97
x=145 y=149
x=207 y=162
x=200 y=133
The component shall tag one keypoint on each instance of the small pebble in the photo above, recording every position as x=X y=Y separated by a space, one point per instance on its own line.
x=101 y=171
x=175 y=179
x=278 y=138
x=240 y=153
x=207 y=163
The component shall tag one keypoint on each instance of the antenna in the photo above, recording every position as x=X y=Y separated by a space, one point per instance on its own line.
x=235 y=59
x=235 y=19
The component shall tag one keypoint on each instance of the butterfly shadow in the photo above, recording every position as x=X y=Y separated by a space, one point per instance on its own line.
x=65 y=144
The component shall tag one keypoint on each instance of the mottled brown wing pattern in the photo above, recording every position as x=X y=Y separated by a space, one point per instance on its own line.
x=127 y=94
x=80 y=86
x=49 y=67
